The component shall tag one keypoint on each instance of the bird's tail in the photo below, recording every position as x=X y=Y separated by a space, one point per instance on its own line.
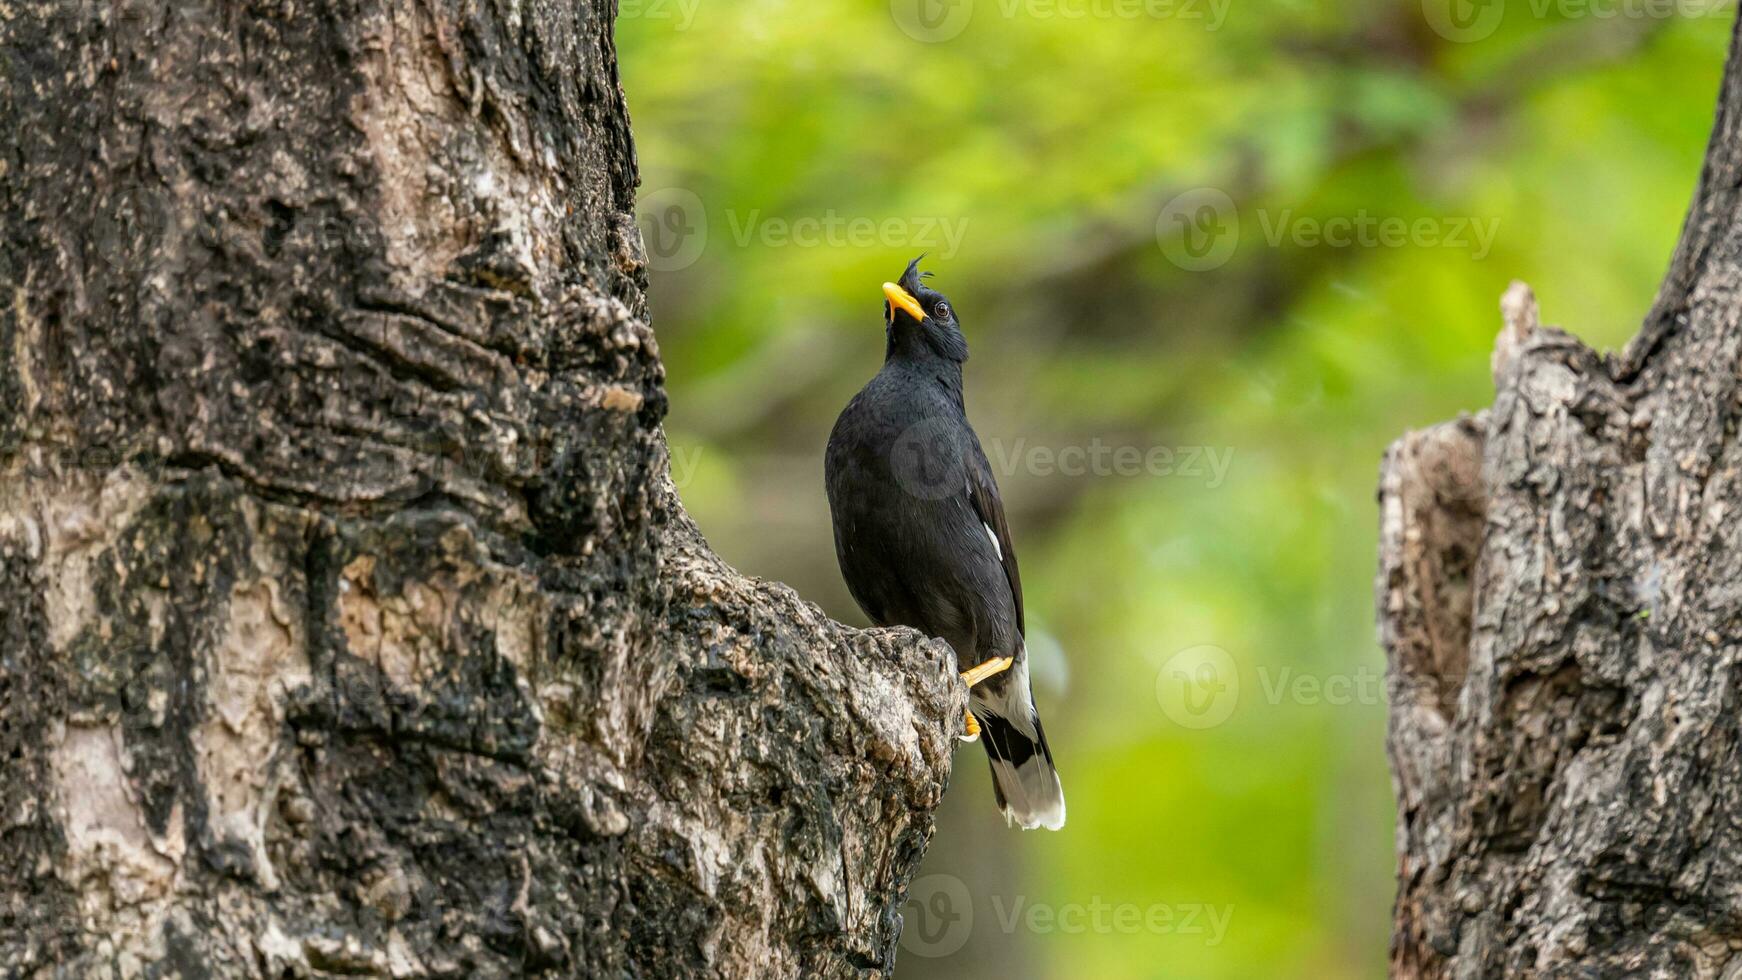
x=1023 y=776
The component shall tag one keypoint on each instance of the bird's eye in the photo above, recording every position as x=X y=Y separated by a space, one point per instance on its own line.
x=941 y=312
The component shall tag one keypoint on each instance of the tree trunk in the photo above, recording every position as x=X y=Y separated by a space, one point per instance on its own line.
x=1560 y=603
x=348 y=621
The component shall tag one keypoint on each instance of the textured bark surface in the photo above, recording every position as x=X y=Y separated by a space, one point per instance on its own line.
x=348 y=623
x=1560 y=602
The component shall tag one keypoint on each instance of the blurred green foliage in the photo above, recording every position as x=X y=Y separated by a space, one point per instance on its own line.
x=797 y=154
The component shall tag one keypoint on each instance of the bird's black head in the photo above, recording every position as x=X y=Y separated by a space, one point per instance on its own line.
x=919 y=321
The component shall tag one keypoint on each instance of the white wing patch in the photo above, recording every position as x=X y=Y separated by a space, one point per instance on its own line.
x=998 y=550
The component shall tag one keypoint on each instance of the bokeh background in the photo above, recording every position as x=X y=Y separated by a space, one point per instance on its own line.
x=1239 y=245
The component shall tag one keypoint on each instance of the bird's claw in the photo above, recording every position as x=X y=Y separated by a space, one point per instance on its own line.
x=972 y=676
x=997 y=665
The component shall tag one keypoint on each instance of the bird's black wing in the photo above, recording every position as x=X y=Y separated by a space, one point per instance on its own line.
x=983 y=495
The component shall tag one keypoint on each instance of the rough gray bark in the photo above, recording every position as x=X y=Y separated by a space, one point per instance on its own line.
x=348 y=623
x=1560 y=602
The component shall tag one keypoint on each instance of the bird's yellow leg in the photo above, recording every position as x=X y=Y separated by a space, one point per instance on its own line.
x=975 y=675
x=972 y=676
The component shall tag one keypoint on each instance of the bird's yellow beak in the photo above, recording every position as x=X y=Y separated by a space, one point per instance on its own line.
x=901 y=299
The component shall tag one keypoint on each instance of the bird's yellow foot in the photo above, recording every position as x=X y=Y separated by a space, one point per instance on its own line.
x=975 y=675
x=972 y=676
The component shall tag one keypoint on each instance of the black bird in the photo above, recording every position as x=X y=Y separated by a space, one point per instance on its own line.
x=922 y=540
